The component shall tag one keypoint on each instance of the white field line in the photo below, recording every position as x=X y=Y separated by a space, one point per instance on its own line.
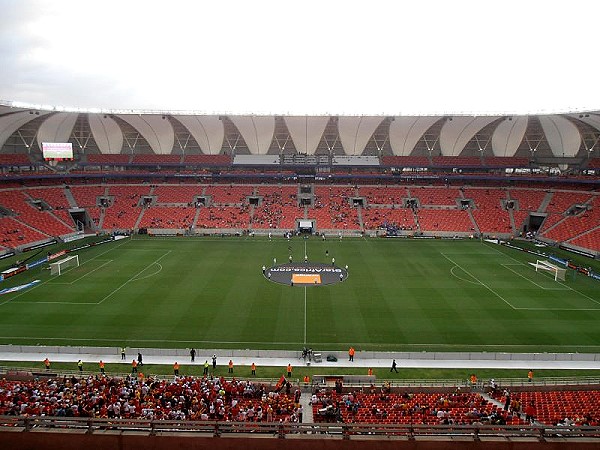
x=507 y=266
x=81 y=277
x=50 y=279
x=480 y=282
x=305 y=314
x=461 y=278
x=134 y=277
x=363 y=344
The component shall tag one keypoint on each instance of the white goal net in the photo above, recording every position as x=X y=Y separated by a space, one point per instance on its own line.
x=58 y=267
x=558 y=273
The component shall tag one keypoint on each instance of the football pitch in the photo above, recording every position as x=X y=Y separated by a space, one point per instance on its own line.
x=210 y=292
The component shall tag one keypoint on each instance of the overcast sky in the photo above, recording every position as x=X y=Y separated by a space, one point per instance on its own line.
x=302 y=57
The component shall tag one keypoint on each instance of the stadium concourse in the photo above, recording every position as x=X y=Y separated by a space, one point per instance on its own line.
x=263 y=358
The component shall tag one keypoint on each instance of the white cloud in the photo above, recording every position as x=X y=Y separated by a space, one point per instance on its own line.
x=378 y=57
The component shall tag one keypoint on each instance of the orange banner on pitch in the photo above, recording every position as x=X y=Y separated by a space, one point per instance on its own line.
x=305 y=278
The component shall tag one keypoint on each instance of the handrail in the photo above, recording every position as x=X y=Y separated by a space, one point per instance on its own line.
x=283 y=429
x=400 y=383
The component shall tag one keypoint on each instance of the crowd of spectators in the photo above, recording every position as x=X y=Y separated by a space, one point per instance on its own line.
x=181 y=398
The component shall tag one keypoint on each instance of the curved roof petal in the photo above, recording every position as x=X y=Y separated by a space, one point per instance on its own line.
x=355 y=132
x=562 y=135
x=306 y=132
x=405 y=132
x=107 y=133
x=156 y=129
x=208 y=131
x=508 y=135
x=257 y=131
x=459 y=130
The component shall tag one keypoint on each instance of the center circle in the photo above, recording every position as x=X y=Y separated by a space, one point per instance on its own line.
x=306 y=274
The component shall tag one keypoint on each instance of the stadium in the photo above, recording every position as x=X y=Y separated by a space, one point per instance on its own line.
x=305 y=274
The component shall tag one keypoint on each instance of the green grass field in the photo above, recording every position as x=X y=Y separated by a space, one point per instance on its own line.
x=401 y=295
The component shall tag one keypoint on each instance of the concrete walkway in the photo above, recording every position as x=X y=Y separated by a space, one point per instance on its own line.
x=272 y=358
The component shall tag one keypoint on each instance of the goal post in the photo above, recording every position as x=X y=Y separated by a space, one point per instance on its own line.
x=558 y=273
x=58 y=267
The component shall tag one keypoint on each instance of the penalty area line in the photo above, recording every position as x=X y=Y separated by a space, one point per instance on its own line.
x=482 y=283
x=133 y=278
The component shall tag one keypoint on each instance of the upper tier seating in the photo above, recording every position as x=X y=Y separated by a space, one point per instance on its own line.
x=108 y=159
x=156 y=159
x=506 y=161
x=208 y=160
x=456 y=161
x=14 y=159
x=405 y=161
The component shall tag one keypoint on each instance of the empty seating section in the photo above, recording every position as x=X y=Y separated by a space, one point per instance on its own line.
x=561 y=201
x=374 y=218
x=209 y=160
x=53 y=196
x=456 y=161
x=229 y=194
x=415 y=408
x=332 y=209
x=108 y=159
x=489 y=214
x=44 y=221
x=529 y=199
x=405 y=161
x=56 y=199
x=383 y=195
x=156 y=159
x=177 y=194
x=572 y=226
x=224 y=217
x=13 y=234
x=14 y=159
x=520 y=218
x=177 y=217
x=581 y=407
x=444 y=220
x=87 y=197
x=589 y=240
x=505 y=161
x=435 y=195
x=125 y=209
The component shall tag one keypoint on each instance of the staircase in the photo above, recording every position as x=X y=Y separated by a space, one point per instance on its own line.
x=545 y=202
x=70 y=198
